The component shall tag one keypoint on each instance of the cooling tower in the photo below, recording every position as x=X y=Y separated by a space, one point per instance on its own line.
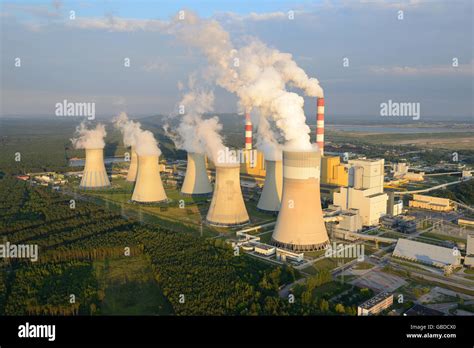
x=148 y=186
x=227 y=206
x=94 y=175
x=300 y=225
x=196 y=181
x=132 y=169
x=271 y=194
x=320 y=124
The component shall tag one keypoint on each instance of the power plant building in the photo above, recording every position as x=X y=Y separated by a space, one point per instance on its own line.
x=365 y=190
x=432 y=255
x=196 y=182
x=333 y=172
x=95 y=175
x=300 y=225
x=431 y=203
x=227 y=206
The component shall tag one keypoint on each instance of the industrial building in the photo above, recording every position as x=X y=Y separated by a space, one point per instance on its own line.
x=196 y=182
x=376 y=304
x=469 y=259
x=270 y=199
x=432 y=255
x=403 y=224
x=300 y=225
x=227 y=206
x=333 y=172
x=365 y=190
x=148 y=186
x=264 y=249
x=286 y=255
x=431 y=203
x=95 y=175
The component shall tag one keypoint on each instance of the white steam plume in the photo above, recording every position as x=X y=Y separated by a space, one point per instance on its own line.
x=143 y=141
x=257 y=74
x=194 y=133
x=85 y=138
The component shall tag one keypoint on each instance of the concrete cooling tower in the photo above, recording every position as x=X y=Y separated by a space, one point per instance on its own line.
x=300 y=225
x=227 y=206
x=148 y=186
x=271 y=194
x=133 y=168
x=94 y=175
x=196 y=182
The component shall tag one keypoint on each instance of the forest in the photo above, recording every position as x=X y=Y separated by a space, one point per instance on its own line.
x=197 y=276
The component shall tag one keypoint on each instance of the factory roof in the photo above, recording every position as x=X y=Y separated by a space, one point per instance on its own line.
x=375 y=300
x=263 y=246
x=426 y=253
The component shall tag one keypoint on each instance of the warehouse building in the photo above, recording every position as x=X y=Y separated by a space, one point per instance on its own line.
x=428 y=254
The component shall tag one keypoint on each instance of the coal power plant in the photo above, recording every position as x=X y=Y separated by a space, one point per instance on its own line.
x=300 y=225
x=95 y=175
x=196 y=182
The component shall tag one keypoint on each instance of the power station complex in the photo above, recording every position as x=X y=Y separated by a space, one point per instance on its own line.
x=291 y=188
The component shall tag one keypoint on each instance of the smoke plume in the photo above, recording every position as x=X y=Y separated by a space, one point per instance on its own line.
x=257 y=74
x=143 y=141
x=194 y=133
x=85 y=138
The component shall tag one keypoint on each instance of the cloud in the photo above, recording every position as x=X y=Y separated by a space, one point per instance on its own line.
x=434 y=70
x=117 y=24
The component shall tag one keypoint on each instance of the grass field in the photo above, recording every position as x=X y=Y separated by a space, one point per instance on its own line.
x=130 y=288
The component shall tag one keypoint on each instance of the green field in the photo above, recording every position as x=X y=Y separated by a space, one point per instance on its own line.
x=129 y=287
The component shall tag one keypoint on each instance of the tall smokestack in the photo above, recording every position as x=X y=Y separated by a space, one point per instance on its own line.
x=320 y=124
x=270 y=198
x=248 y=132
x=132 y=169
x=94 y=175
x=300 y=225
x=148 y=187
x=227 y=206
x=196 y=181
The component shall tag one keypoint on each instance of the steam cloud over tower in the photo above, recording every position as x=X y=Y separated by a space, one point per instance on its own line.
x=92 y=140
x=320 y=124
x=196 y=181
x=95 y=175
x=133 y=168
x=227 y=206
x=300 y=225
x=270 y=198
x=148 y=187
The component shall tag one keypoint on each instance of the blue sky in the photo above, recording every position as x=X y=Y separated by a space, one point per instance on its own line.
x=407 y=60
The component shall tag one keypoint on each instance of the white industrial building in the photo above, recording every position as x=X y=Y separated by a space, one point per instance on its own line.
x=365 y=190
x=432 y=255
x=469 y=259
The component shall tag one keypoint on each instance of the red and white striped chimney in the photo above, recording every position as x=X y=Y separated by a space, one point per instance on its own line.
x=248 y=132
x=320 y=124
